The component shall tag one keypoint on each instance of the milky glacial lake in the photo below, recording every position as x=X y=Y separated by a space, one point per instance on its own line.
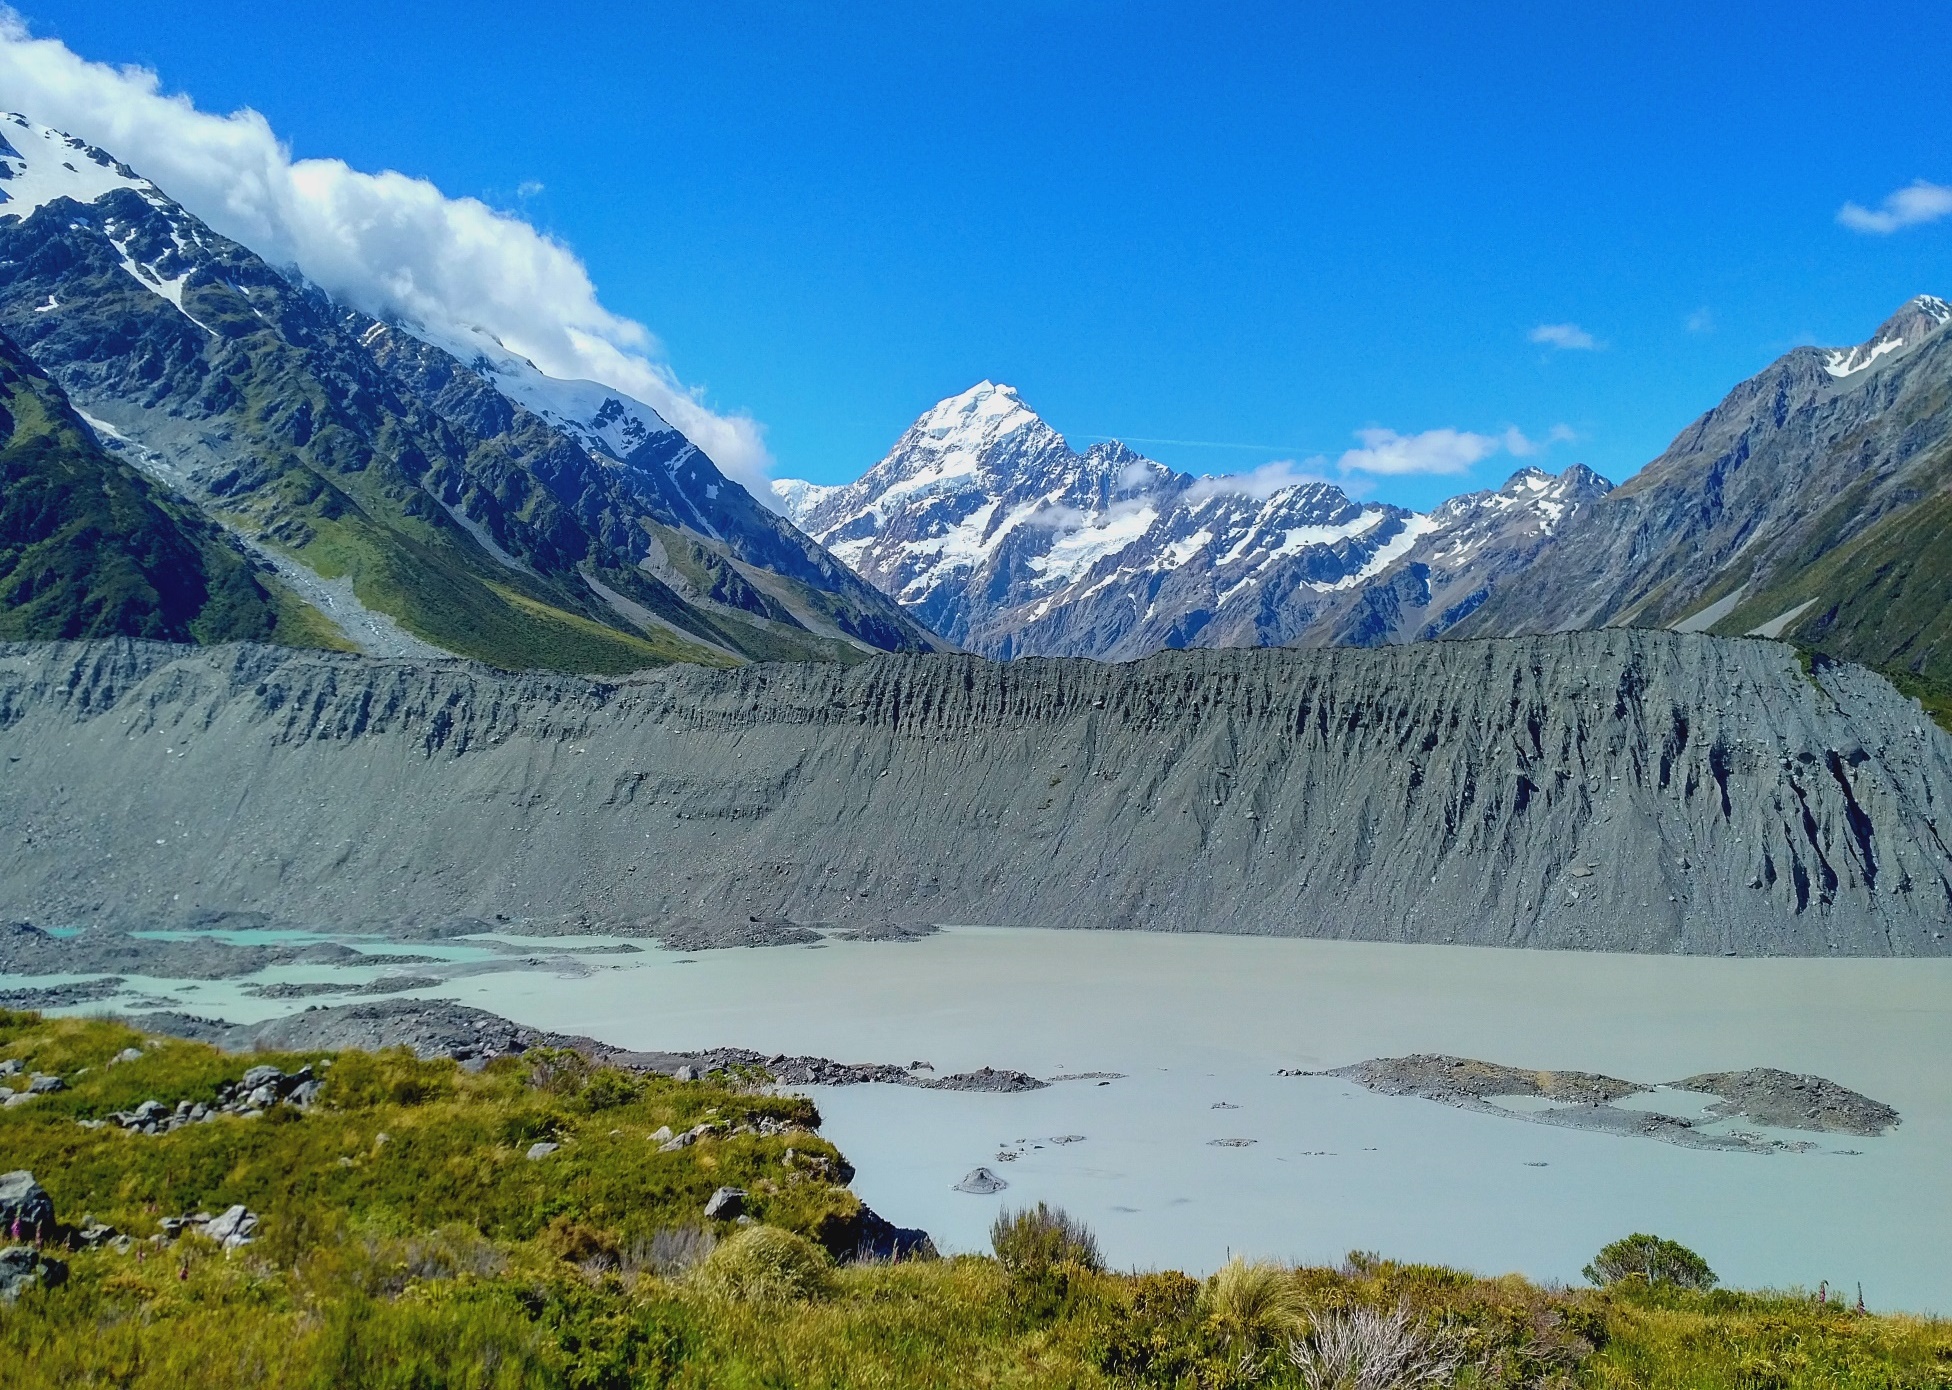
x=1199 y=1025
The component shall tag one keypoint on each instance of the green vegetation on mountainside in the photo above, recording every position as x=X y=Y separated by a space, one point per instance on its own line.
x=1882 y=598
x=89 y=547
x=468 y=520
x=332 y=482
x=408 y=1241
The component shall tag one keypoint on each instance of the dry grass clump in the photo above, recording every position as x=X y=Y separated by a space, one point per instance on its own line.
x=763 y=1264
x=1249 y=1305
x=1367 y=1349
x=669 y=1252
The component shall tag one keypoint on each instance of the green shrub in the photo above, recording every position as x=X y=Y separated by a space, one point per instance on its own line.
x=1653 y=1260
x=1043 y=1237
x=608 y=1088
x=1157 y=1341
x=556 y=1071
x=362 y=1080
x=763 y=1264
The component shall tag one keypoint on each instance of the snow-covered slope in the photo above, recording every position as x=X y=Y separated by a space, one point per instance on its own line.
x=988 y=526
x=39 y=164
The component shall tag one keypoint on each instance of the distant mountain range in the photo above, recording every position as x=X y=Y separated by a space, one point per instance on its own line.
x=1813 y=503
x=201 y=447
x=375 y=487
x=988 y=526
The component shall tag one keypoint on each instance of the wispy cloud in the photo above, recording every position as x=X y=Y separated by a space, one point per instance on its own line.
x=1387 y=453
x=1263 y=482
x=1382 y=453
x=1911 y=206
x=393 y=246
x=529 y=188
x=1567 y=337
x=1700 y=321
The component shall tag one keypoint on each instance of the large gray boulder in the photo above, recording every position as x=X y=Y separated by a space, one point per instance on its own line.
x=22 y=1266
x=25 y=1207
x=237 y=1226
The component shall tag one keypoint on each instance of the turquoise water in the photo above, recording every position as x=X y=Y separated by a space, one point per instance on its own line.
x=1195 y=1022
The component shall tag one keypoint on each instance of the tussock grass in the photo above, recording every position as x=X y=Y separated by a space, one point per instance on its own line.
x=763 y=1264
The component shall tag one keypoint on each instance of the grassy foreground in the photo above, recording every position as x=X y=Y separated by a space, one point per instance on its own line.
x=408 y=1241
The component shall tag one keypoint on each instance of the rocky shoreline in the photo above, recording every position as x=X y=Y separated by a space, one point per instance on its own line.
x=1587 y=1100
x=474 y=1037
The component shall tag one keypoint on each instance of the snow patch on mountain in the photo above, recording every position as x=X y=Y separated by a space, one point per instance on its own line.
x=1919 y=318
x=601 y=418
x=39 y=164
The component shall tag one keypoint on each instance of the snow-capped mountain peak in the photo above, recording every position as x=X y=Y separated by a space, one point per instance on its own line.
x=1920 y=317
x=979 y=416
x=987 y=525
x=39 y=164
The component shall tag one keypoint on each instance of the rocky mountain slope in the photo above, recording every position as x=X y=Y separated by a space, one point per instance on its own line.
x=986 y=524
x=1812 y=503
x=1621 y=789
x=89 y=547
x=427 y=502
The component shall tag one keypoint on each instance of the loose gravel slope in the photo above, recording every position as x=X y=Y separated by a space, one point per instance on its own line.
x=1620 y=790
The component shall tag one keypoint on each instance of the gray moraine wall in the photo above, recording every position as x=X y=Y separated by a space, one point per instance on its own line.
x=1618 y=790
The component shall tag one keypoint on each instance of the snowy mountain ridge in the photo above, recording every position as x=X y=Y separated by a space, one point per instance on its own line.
x=1920 y=317
x=39 y=164
x=989 y=527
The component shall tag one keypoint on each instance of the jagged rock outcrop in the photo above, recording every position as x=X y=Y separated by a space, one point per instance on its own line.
x=1627 y=790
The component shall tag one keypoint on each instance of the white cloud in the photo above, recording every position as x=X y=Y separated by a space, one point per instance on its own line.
x=1259 y=483
x=1567 y=337
x=391 y=245
x=1700 y=321
x=1433 y=451
x=1913 y=205
x=1382 y=452
x=529 y=188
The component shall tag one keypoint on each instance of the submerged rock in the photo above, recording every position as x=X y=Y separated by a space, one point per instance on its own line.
x=982 y=1182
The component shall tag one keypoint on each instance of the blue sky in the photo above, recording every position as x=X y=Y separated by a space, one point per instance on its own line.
x=1271 y=227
